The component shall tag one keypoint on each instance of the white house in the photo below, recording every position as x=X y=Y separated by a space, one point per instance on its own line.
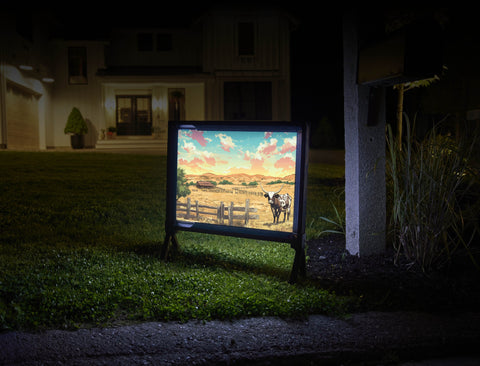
x=230 y=64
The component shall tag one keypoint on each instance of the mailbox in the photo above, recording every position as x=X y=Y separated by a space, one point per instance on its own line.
x=412 y=53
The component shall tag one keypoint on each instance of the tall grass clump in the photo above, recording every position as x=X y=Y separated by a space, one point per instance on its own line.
x=428 y=182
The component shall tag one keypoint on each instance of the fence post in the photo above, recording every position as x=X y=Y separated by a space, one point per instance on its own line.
x=196 y=207
x=187 y=215
x=230 y=214
x=247 y=204
x=221 y=212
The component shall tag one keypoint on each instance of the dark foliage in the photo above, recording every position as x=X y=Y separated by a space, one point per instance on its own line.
x=384 y=286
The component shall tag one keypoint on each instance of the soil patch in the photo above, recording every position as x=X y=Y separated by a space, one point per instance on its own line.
x=387 y=286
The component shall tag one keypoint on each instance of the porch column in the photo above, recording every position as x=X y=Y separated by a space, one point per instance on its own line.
x=364 y=154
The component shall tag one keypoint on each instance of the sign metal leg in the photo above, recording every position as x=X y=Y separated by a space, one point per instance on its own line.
x=169 y=238
x=299 y=263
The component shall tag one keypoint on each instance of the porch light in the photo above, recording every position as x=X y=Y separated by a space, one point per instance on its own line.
x=110 y=103
x=158 y=103
x=25 y=67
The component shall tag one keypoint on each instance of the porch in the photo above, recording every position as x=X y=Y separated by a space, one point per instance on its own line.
x=139 y=143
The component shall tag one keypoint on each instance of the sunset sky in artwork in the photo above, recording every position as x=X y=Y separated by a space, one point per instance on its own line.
x=235 y=152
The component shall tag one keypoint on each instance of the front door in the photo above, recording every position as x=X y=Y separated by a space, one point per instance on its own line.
x=134 y=115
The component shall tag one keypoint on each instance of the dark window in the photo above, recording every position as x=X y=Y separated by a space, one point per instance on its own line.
x=164 y=42
x=248 y=101
x=145 y=42
x=246 y=39
x=77 y=65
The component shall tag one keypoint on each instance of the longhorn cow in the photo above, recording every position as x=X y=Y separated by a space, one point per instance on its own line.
x=278 y=203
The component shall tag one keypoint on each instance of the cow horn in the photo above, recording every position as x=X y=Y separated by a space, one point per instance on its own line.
x=273 y=192
x=280 y=188
x=262 y=188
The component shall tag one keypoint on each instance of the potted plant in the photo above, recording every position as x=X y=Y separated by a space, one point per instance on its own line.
x=111 y=132
x=77 y=128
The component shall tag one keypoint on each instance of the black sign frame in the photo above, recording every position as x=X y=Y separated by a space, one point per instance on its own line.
x=295 y=237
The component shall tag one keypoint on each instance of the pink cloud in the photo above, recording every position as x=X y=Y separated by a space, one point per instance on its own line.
x=198 y=136
x=267 y=135
x=268 y=148
x=210 y=160
x=195 y=162
x=226 y=142
x=208 y=157
x=256 y=163
x=289 y=145
x=285 y=163
x=188 y=146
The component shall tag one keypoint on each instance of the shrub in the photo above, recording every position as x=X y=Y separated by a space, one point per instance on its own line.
x=427 y=181
x=225 y=182
x=76 y=123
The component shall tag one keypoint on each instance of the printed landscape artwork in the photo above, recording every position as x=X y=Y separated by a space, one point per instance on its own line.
x=239 y=178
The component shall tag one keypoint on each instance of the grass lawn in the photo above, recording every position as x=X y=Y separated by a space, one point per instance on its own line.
x=80 y=240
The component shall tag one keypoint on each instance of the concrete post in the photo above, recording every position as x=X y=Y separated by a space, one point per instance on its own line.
x=364 y=154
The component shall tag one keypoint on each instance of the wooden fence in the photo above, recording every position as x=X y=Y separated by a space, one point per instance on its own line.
x=234 y=190
x=223 y=213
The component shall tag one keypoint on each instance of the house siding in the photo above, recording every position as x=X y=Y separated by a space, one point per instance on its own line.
x=22 y=118
x=202 y=58
x=86 y=97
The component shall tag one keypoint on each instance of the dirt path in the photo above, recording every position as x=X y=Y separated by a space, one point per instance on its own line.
x=259 y=341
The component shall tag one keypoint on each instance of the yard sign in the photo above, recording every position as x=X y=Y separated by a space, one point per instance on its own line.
x=244 y=179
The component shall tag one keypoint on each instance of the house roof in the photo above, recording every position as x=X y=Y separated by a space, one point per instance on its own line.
x=205 y=184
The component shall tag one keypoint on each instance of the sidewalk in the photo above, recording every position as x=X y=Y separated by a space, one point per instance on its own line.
x=373 y=338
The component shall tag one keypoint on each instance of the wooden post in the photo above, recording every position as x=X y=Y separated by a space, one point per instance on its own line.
x=187 y=215
x=247 y=204
x=197 y=209
x=221 y=212
x=230 y=214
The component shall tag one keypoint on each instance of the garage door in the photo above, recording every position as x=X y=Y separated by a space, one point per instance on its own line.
x=22 y=118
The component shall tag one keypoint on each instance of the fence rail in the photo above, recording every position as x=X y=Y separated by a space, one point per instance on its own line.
x=223 y=213
x=234 y=190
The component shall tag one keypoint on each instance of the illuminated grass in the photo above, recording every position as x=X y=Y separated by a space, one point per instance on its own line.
x=80 y=240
